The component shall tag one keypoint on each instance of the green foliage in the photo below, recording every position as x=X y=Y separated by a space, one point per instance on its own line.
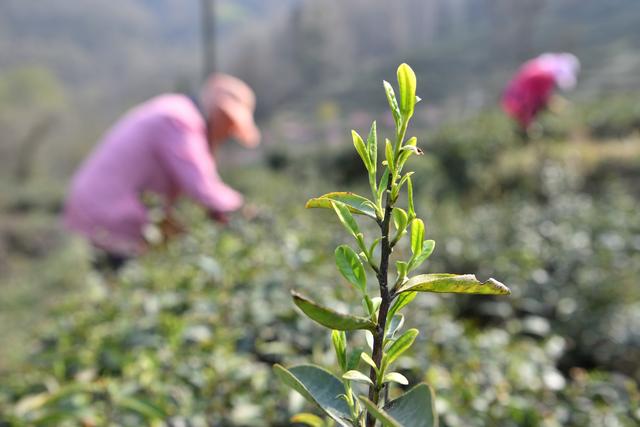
x=330 y=318
x=194 y=327
x=416 y=407
x=318 y=386
x=453 y=283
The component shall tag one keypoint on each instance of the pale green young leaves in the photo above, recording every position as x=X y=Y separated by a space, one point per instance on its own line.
x=399 y=346
x=345 y=217
x=339 y=340
x=417 y=236
x=407 y=88
x=393 y=102
x=358 y=376
x=362 y=150
x=351 y=267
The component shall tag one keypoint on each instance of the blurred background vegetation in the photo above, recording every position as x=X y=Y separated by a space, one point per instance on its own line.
x=187 y=334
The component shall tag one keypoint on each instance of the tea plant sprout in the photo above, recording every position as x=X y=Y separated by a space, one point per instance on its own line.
x=382 y=321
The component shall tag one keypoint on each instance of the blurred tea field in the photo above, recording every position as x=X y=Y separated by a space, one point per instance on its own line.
x=187 y=334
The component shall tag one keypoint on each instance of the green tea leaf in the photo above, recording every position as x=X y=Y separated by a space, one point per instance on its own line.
x=358 y=143
x=384 y=181
x=427 y=249
x=354 y=375
x=396 y=323
x=378 y=413
x=368 y=305
x=400 y=302
x=407 y=88
x=453 y=283
x=351 y=267
x=372 y=146
x=403 y=269
x=395 y=377
x=345 y=217
x=373 y=246
x=388 y=150
x=411 y=209
x=417 y=235
x=354 y=358
x=415 y=408
x=330 y=318
x=339 y=339
x=393 y=102
x=400 y=345
x=400 y=219
x=308 y=419
x=368 y=336
x=368 y=360
x=376 y=303
x=318 y=386
x=356 y=204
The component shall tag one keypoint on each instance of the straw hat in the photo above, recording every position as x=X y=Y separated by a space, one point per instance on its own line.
x=236 y=99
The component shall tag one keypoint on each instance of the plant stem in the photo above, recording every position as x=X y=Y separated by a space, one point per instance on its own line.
x=378 y=338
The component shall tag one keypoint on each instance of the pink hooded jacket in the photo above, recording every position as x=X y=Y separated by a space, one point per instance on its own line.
x=530 y=90
x=158 y=147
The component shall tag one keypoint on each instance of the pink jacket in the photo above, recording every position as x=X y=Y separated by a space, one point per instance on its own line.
x=158 y=147
x=528 y=92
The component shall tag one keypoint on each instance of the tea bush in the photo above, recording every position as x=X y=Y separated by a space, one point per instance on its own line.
x=187 y=334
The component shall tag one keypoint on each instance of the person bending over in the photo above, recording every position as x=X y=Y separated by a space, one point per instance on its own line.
x=164 y=146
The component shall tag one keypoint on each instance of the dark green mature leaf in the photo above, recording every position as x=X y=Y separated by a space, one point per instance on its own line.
x=330 y=318
x=399 y=346
x=407 y=88
x=317 y=386
x=351 y=267
x=378 y=413
x=356 y=204
x=415 y=408
x=453 y=283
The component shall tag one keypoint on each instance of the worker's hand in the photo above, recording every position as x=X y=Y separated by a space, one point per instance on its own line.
x=219 y=217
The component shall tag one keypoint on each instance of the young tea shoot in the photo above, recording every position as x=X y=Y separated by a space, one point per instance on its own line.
x=382 y=321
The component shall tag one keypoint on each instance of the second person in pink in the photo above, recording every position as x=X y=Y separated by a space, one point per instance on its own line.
x=531 y=88
x=164 y=146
